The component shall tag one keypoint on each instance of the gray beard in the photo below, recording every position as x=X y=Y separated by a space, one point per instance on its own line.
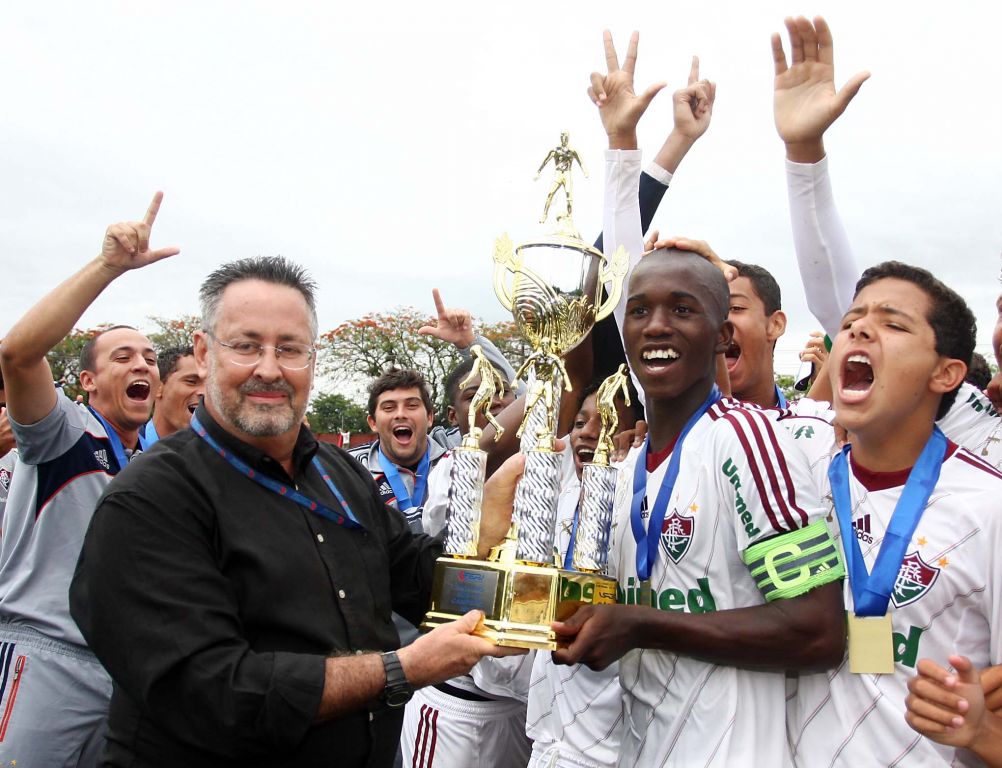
x=256 y=421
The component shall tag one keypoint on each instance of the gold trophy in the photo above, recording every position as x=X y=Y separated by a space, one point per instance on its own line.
x=554 y=289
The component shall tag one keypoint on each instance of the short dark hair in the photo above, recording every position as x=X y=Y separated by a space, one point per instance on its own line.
x=952 y=321
x=167 y=360
x=763 y=282
x=978 y=372
x=399 y=378
x=269 y=269
x=87 y=361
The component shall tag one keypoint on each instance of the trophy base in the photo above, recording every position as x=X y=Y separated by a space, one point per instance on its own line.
x=519 y=601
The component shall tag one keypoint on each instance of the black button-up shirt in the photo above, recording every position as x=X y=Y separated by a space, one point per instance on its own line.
x=213 y=602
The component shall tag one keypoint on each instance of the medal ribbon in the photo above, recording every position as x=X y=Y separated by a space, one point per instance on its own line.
x=116 y=441
x=344 y=518
x=780 y=397
x=569 y=557
x=647 y=551
x=872 y=590
x=404 y=501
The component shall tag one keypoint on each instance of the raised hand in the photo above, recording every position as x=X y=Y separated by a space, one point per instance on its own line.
x=618 y=104
x=692 y=106
x=805 y=101
x=454 y=325
x=127 y=244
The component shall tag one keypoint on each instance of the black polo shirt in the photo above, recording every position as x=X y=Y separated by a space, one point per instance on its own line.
x=213 y=602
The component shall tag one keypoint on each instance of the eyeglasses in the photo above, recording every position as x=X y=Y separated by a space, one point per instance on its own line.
x=290 y=356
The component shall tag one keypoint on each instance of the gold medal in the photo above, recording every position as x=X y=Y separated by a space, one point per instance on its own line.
x=871 y=645
x=644 y=593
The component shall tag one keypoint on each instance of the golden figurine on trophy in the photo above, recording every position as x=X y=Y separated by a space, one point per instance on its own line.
x=563 y=158
x=556 y=288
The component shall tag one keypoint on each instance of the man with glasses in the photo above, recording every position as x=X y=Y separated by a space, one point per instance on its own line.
x=238 y=581
x=53 y=692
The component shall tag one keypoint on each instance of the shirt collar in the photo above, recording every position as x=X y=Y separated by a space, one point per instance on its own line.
x=305 y=449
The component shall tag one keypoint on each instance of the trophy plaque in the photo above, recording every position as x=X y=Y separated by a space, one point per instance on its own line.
x=553 y=287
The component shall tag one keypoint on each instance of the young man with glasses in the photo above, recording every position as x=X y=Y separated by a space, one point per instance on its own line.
x=55 y=694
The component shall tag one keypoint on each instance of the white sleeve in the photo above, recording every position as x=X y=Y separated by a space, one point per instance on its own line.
x=433 y=513
x=621 y=220
x=827 y=265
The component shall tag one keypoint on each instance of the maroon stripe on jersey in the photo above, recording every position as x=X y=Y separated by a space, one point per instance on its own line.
x=769 y=511
x=770 y=430
x=969 y=458
x=421 y=740
x=434 y=738
x=785 y=501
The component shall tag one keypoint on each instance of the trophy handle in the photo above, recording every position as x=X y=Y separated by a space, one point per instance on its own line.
x=504 y=262
x=612 y=272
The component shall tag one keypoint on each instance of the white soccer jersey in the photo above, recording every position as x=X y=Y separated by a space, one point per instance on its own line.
x=740 y=481
x=946 y=600
x=574 y=711
x=65 y=463
x=974 y=423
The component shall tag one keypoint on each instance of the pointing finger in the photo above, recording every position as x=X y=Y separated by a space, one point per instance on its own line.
x=439 y=304
x=153 y=210
x=611 y=59
x=694 y=70
x=631 y=54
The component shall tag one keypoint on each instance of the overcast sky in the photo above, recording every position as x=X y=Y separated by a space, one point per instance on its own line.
x=386 y=146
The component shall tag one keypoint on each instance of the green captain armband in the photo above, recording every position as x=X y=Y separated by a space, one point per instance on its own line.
x=794 y=563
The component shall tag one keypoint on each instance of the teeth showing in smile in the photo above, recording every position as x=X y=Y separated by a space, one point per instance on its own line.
x=858 y=359
x=660 y=354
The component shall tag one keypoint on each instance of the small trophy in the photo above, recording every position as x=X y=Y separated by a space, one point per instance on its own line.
x=554 y=289
x=598 y=483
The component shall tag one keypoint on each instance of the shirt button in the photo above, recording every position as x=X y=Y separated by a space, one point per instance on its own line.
x=341 y=594
x=320 y=538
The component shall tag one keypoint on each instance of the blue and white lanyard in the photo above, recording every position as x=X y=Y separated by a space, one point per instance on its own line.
x=345 y=518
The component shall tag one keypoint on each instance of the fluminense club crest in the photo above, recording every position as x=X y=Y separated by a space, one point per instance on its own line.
x=676 y=535
x=914 y=580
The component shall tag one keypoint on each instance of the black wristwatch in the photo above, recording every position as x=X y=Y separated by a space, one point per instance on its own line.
x=397 y=691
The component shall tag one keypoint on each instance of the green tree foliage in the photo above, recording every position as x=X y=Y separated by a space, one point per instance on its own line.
x=332 y=413
x=173 y=332
x=364 y=348
x=785 y=384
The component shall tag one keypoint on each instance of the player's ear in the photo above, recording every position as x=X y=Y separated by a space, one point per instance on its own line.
x=450 y=414
x=948 y=375
x=724 y=336
x=776 y=325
